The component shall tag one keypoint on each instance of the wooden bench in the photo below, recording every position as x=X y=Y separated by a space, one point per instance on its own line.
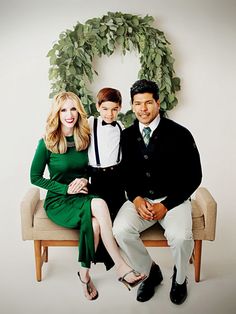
x=37 y=227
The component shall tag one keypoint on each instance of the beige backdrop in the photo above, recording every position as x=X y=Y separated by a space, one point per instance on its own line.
x=202 y=34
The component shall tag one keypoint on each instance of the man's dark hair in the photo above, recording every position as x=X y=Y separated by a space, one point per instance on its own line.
x=144 y=86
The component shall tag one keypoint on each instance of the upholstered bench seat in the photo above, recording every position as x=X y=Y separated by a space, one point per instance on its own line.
x=36 y=226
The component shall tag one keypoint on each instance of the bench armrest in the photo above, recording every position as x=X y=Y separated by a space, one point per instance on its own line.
x=208 y=205
x=27 y=207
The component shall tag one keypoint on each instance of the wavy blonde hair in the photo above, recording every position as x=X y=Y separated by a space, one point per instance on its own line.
x=54 y=138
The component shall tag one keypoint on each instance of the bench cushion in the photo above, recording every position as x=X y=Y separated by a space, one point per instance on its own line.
x=44 y=228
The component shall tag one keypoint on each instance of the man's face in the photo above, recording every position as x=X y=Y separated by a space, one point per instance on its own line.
x=145 y=107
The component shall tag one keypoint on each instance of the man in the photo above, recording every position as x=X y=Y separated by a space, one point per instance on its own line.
x=161 y=168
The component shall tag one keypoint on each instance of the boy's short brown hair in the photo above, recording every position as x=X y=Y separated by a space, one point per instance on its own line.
x=109 y=94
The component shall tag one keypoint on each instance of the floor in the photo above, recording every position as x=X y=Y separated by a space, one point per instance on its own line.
x=60 y=291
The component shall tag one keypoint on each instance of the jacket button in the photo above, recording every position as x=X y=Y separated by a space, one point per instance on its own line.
x=148 y=174
x=145 y=156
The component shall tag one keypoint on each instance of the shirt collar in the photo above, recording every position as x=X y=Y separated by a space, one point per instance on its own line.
x=153 y=125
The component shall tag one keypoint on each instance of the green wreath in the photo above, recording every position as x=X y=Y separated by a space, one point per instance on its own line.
x=72 y=55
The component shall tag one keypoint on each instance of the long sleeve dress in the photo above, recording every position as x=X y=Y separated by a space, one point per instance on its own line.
x=67 y=210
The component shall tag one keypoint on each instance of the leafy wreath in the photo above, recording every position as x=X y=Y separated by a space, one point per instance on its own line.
x=72 y=55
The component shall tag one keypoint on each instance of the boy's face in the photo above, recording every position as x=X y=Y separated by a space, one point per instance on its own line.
x=108 y=111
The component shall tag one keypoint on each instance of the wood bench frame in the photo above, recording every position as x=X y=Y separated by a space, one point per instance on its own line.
x=41 y=252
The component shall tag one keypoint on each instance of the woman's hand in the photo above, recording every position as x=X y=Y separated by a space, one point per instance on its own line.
x=79 y=185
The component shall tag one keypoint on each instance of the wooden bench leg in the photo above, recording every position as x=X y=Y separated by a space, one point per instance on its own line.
x=191 y=259
x=38 y=260
x=45 y=253
x=197 y=259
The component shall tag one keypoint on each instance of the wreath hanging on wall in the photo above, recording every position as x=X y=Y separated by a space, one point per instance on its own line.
x=71 y=57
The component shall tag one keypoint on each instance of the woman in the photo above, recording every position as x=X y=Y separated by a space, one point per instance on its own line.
x=64 y=150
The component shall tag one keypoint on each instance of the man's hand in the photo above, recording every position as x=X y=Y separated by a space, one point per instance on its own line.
x=143 y=208
x=149 y=211
x=159 y=211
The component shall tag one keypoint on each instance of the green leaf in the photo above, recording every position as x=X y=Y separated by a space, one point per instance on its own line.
x=167 y=80
x=158 y=74
x=109 y=22
x=130 y=29
x=81 y=42
x=176 y=80
x=120 y=30
x=174 y=102
x=161 y=97
x=176 y=83
x=142 y=42
x=104 y=41
x=170 y=59
x=53 y=59
x=148 y=19
x=53 y=74
x=51 y=53
x=171 y=97
x=113 y=27
x=120 y=40
x=128 y=118
x=163 y=105
x=157 y=60
x=110 y=45
x=72 y=70
x=119 y=20
x=135 y=21
x=160 y=52
x=102 y=28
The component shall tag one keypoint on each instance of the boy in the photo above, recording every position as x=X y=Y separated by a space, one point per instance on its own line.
x=104 y=151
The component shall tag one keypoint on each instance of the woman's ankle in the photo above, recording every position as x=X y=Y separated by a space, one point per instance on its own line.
x=84 y=274
x=122 y=268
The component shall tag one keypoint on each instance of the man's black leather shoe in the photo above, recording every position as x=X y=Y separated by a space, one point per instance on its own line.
x=178 y=293
x=147 y=288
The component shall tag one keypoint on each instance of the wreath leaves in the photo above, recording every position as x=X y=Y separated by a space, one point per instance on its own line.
x=72 y=55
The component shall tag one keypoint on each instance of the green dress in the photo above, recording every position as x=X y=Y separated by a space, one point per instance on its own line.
x=71 y=211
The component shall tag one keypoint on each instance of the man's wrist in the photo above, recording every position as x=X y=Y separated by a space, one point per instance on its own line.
x=135 y=198
x=166 y=210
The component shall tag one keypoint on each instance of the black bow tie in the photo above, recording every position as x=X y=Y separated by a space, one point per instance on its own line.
x=112 y=123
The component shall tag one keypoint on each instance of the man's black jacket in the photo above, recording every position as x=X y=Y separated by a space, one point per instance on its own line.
x=169 y=166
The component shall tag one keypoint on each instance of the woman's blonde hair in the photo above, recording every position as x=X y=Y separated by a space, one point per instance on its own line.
x=54 y=138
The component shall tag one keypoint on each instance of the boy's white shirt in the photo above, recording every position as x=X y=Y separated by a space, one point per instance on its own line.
x=108 y=143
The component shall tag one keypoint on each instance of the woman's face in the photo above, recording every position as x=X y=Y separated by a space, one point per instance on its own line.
x=68 y=117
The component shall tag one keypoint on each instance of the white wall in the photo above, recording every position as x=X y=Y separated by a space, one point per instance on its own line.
x=202 y=34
